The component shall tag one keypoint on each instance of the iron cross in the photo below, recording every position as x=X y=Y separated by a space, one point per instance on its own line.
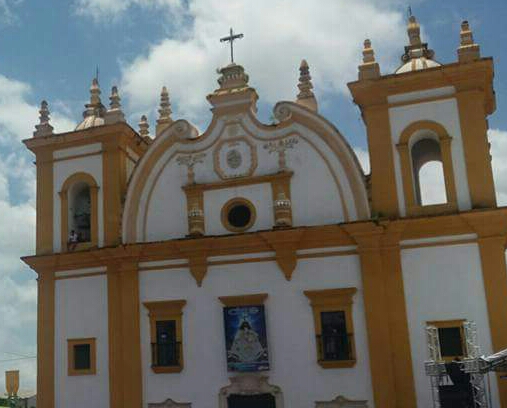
x=231 y=39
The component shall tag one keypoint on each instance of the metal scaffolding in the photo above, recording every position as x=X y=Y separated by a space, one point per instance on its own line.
x=473 y=364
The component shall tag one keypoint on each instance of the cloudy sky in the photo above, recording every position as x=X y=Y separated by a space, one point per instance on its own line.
x=50 y=50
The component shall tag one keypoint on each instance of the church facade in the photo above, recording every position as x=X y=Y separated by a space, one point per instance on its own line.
x=256 y=265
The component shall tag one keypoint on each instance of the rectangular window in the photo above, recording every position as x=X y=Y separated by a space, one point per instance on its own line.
x=334 y=330
x=451 y=338
x=334 y=338
x=451 y=343
x=81 y=357
x=166 y=335
x=166 y=347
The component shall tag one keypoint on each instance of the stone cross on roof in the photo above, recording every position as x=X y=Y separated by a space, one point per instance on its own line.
x=231 y=39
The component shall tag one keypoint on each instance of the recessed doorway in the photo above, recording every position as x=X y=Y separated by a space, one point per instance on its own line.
x=251 y=401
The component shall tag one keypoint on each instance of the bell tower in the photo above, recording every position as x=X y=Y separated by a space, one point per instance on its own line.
x=424 y=112
x=82 y=176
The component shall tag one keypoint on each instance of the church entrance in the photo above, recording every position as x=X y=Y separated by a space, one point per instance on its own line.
x=251 y=401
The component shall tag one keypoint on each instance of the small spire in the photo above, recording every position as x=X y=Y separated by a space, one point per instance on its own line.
x=416 y=48
x=414 y=30
x=43 y=128
x=144 y=127
x=164 y=119
x=114 y=114
x=368 y=53
x=114 y=99
x=95 y=107
x=306 y=97
x=369 y=69
x=468 y=49
x=95 y=92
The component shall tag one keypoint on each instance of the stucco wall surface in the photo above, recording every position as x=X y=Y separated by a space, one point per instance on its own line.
x=290 y=328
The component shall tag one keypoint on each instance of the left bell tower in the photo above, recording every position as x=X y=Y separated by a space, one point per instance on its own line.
x=82 y=176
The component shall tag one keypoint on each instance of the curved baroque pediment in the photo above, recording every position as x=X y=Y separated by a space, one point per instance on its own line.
x=327 y=185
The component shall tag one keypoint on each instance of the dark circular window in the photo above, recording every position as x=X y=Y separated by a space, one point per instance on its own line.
x=238 y=215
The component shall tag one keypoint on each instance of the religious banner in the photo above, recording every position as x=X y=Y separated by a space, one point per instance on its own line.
x=245 y=338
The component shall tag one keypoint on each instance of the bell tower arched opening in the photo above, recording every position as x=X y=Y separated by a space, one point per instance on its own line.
x=79 y=212
x=427 y=169
x=428 y=172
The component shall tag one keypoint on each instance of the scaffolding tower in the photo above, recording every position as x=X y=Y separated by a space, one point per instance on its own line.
x=473 y=364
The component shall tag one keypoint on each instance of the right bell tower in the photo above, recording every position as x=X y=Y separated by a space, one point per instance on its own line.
x=423 y=112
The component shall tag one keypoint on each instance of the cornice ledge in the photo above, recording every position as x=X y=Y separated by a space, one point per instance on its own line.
x=367 y=235
x=487 y=224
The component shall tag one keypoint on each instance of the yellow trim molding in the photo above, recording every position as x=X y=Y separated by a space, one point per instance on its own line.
x=64 y=210
x=44 y=224
x=125 y=368
x=333 y=300
x=167 y=310
x=473 y=111
x=409 y=187
x=45 y=337
x=71 y=344
x=383 y=294
x=244 y=300
x=229 y=205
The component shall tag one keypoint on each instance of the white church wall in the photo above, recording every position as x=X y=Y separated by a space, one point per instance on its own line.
x=81 y=312
x=290 y=328
x=259 y=195
x=313 y=203
x=443 y=283
x=445 y=112
x=62 y=170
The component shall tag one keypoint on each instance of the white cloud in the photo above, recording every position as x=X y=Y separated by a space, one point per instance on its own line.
x=17 y=227
x=7 y=14
x=364 y=158
x=498 y=140
x=101 y=10
x=432 y=183
x=278 y=34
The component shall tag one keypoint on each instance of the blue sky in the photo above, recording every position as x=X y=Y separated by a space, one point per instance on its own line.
x=50 y=50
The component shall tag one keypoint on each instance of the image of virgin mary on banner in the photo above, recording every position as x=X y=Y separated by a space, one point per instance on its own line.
x=245 y=338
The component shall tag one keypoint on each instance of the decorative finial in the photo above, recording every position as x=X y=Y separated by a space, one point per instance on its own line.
x=164 y=119
x=416 y=48
x=114 y=99
x=95 y=92
x=95 y=107
x=306 y=96
x=43 y=128
x=414 y=31
x=468 y=50
x=144 y=127
x=369 y=69
x=114 y=114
